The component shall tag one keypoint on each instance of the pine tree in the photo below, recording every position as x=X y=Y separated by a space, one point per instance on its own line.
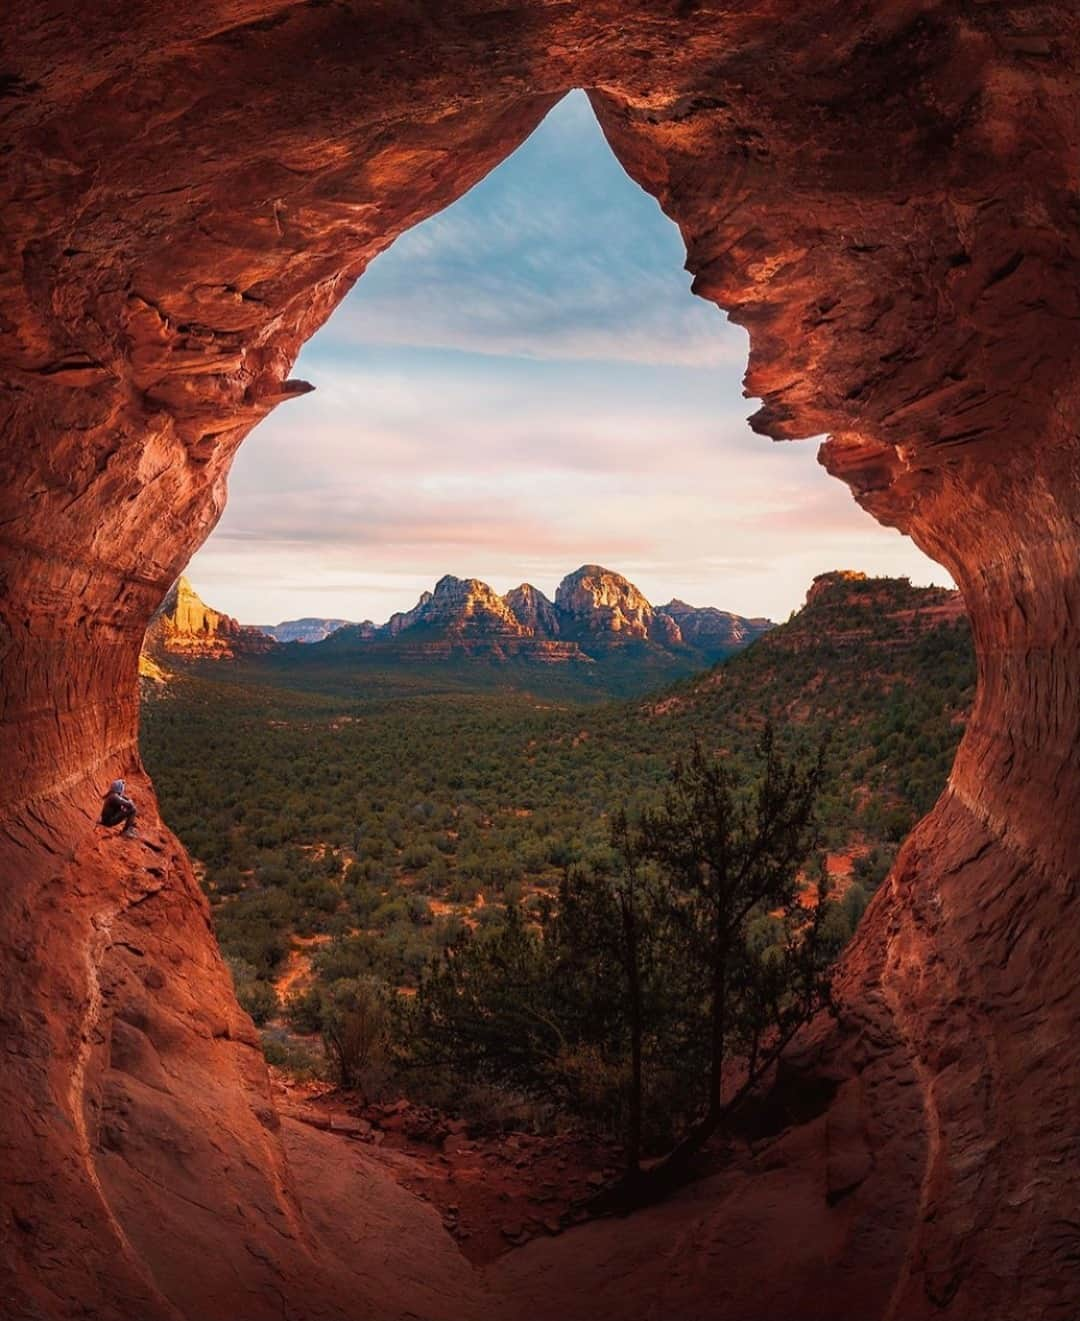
x=732 y=858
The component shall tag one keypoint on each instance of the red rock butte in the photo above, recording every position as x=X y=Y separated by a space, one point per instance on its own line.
x=885 y=194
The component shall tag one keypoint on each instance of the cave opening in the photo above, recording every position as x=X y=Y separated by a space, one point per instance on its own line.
x=515 y=386
x=586 y=339
x=528 y=367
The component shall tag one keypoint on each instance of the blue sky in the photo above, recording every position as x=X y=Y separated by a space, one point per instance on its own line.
x=520 y=385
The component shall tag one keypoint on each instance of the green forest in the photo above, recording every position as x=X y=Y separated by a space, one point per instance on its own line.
x=349 y=827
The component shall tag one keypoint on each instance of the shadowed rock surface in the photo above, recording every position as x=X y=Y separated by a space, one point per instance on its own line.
x=707 y=626
x=885 y=196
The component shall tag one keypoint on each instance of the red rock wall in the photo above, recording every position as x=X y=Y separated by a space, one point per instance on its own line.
x=884 y=194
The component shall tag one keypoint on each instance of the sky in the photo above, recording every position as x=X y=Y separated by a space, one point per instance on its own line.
x=520 y=385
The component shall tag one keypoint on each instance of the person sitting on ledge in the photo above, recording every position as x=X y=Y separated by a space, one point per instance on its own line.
x=118 y=807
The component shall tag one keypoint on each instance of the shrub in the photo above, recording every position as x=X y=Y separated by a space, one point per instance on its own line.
x=355 y=1028
x=260 y=1000
x=304 y=1011
x=255 y=997
x=293 y=1057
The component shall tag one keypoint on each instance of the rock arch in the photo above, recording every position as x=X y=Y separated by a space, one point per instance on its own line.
x=885 y=195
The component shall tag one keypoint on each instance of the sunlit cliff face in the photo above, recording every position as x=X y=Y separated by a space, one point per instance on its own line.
x=885 y=200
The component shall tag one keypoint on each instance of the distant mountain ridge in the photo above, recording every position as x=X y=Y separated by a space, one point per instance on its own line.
x=309 y=629
x=464 y=616
x=599 y=637
x=595 y=610
x=706 y=625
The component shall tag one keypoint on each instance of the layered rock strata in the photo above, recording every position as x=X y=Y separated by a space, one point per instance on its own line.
x=464 y=616
x=885 y=196
x=185 y=627
x=594 y=608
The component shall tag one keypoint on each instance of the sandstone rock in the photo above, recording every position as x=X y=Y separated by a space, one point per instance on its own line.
x=594 y=607
x=849 y=1159
x=597 y=601
x=825 y=585
x=184 y=626
x=465 y=617
x=666 y=630
x=469 y=607
x=350 y=1125
x=885 y=197
x=408 y=618
x=851 y=606
x=601 y=606
x=151 y=672
x=533 y=610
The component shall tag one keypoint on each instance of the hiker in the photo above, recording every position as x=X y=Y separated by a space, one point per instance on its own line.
x=118 y=807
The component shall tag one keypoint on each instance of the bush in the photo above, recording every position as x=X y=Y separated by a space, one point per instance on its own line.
x=419 y=909
x=463 y=890
x=389 y=912
x=260 y=1000
x=854 y=903
x=897 y=823
x=871 y=868
x=304 y=1011
x=355 y=1028
x=255 y=997
x=293 y=1057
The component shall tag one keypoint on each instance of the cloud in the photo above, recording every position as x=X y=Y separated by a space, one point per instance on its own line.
x=557 y=255
x=386 y=500
x=520 y=385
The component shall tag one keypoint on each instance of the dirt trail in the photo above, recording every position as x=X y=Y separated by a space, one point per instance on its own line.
x=297 y=972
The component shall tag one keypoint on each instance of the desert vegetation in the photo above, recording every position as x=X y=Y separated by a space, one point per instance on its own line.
x=376 y=845
x=658 y=986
